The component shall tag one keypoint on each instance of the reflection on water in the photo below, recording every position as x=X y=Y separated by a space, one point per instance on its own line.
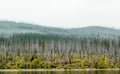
x=64 y=72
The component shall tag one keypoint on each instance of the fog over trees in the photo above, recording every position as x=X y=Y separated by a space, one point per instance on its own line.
x=31 y=46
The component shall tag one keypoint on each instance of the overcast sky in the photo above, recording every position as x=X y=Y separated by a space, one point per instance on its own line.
x=62 y=13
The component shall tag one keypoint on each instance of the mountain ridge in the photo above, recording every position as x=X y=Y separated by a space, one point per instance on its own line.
x=10 y=27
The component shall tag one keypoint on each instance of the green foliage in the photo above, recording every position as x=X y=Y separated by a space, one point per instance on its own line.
x=35 y=64
x=99 y=63
x=43 y=64
x=59 y=67
x=103 y=62
x=84 y=63
x=10 y=65
x=52 y=65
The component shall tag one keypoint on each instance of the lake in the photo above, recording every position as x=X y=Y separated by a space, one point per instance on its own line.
x=62 y=72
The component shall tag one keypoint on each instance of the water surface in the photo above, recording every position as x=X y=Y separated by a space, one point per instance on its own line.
x=62 y=72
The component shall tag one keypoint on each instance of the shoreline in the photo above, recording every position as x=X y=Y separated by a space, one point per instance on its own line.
x=16 y=70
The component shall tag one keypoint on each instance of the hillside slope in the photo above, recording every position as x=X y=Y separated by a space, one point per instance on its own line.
x=9 y=27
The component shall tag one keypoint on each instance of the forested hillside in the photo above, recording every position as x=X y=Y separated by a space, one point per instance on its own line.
x=31 y=46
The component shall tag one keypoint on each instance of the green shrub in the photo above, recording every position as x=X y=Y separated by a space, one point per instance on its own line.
x=52 y=65
x=35 y=64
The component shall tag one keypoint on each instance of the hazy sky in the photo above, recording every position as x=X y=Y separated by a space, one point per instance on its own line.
x=62 y=13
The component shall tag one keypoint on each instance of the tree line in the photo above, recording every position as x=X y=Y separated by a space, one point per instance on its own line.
x=33 y=50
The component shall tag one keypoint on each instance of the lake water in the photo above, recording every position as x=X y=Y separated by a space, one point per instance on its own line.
x=63 y=72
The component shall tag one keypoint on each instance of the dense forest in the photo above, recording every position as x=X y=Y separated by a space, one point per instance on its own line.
x=26 y=46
